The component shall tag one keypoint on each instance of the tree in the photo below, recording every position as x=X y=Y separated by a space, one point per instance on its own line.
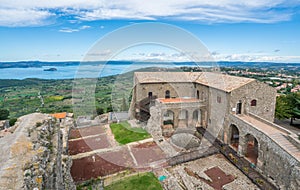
x=283 y=109
x=4 y=113
x=293 y=100
x=99 y=111
x=124 y=106
x=109 y=109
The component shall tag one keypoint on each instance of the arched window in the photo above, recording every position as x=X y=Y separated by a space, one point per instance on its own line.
x=198 y=95
x=167 y=94
x=253 y=102
x=150 y=94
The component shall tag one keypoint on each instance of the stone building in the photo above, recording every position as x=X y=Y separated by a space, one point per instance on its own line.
x=238 y=111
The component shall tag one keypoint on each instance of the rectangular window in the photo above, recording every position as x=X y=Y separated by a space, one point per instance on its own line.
x=219 y=99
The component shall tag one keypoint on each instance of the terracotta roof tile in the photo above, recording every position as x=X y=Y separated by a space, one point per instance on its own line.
x=216 y=80
x=59 y=115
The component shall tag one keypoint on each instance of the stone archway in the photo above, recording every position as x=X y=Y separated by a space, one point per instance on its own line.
x=183 y=118
x=168 y=118
x=197 y=118
x=251 y=148
x=168 y=123
x=234 y=137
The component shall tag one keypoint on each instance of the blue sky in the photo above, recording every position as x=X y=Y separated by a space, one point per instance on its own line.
x=64 y=30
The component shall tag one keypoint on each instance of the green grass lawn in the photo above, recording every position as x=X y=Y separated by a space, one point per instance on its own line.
x=146 y=181
x=124 y=133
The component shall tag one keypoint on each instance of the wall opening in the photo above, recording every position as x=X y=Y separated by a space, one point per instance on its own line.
x=183 y=118
x=198 y=95
x=239 y=108
x=167 y=94
x=251 y=152
x=234 y=137
x=197 y=118
x=253 y=102
x=168 y=118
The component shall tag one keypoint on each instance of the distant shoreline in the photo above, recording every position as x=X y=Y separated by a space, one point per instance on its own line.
x=39 y=64
x=71 y=70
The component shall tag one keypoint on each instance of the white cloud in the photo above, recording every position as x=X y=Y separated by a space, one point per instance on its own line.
x=84 y=27
x=23 y=17
x=68 y=30
x=34 y=12
x=71 y=30
x=181 y=57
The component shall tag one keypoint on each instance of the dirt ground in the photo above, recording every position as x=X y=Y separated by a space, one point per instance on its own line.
x=147 y=153
x=92 y=167
x=88 y=144
x=118 y=160
x=136 y=156
x=86 y=131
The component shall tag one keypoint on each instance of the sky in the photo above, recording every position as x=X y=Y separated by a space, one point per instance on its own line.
x=65 y=30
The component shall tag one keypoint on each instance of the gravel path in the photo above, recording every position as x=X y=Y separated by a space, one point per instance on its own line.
x=16 y=149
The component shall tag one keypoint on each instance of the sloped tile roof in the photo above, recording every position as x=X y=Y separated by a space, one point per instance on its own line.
x=216 y=80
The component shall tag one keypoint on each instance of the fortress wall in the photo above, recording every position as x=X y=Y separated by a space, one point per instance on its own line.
x=273 y=161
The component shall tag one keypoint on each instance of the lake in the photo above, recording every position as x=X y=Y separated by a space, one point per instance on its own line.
x=79 y=71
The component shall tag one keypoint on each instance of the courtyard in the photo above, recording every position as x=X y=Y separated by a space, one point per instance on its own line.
x=97 y=153
x=214 y=172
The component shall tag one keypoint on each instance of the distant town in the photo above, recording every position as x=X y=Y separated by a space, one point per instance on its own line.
x=285 y=79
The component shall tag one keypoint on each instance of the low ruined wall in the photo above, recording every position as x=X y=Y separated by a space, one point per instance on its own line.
x=274 y=162
x=193 y=155
x=47 y=169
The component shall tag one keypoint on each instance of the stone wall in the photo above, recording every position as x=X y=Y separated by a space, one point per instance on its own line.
x=47 y=169
x=217 y=110
x=158 y=89
x=274 y=162
x=264 y=95
x=153 y=125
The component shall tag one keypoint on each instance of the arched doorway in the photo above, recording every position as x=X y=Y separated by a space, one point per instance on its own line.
x=251 y=152
x=197 y=118
x=183 y=118
x=234 y=137
x=168 y=123
x=168 y=118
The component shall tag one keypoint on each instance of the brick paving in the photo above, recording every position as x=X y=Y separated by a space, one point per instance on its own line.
x=94 y=155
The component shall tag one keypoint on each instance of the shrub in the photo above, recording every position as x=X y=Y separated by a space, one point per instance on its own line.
x=246 y=169
x=259 y=181
x=38 y=124
x=12 y=121
x=4 y=113
x=99 y=111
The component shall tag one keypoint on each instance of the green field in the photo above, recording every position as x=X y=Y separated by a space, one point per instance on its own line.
x=146 y=181
x=124 y=133
x=21 y=97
